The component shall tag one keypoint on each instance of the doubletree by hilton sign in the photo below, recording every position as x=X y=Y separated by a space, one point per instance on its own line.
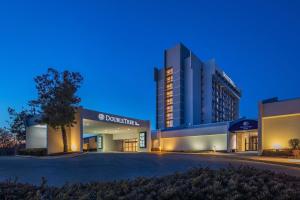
x=243 y=125
x=119 y=120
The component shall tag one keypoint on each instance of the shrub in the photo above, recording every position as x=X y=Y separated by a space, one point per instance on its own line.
x=277 y=153
x=202 y=183
x=294 y=143
x=7 y=151
x=33 y=152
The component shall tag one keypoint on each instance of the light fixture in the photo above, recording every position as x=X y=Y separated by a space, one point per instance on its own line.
x=277 y=147
x=214 y=148
x=73 y=147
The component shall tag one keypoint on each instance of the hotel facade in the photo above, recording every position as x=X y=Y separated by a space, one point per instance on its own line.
x=93 y=131
x=196 y=103
x=197 y=109
x=192 y=92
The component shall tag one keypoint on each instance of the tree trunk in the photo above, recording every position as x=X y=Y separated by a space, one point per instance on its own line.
x=64 y=137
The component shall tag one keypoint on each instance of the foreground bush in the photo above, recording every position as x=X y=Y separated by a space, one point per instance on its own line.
x=231 y=183
x=33 y=152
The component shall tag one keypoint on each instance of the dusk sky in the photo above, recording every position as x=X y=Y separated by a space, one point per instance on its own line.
x=116 y=44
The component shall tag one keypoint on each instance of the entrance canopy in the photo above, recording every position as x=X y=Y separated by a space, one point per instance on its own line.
x=106 y=132
x=243 y=125
x=243 y=135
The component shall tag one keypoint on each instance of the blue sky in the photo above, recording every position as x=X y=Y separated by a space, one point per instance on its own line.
x=116 y=44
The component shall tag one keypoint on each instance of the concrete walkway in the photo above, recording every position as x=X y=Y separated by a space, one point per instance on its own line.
x=254 y=157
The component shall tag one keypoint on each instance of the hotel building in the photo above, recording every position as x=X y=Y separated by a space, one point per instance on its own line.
x=197 y=109
x=195 y=103
x=191 y=92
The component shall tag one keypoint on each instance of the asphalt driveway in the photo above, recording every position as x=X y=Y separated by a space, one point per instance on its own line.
x=115 y=166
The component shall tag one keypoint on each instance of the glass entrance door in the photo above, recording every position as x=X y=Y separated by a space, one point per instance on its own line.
x=246 y=141
x=251 y=144
x=130 y=145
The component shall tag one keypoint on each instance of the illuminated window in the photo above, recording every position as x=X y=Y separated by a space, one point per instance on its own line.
x=169 y=94
x=169 y=101
x=169 y=78
x=169 y=86
x=100 y=142
x=169 y=97
x=143 y=139
x=169 y=116
x=169 y=71
x=169 y=109
x=169 y=123
x=130 y=145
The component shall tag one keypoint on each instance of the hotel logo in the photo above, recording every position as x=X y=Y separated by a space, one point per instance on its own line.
x=119 y=120
x=101 y=117
x=246 y=123
x=246 y=126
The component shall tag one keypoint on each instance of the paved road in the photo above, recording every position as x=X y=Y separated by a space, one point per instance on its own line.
x=112 y=166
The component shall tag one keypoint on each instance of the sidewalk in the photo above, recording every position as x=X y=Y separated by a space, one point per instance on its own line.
x=252 y=157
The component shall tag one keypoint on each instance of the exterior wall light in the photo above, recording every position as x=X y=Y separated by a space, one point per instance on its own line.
x=277 y=147
x=73 y=147
x=214 y=148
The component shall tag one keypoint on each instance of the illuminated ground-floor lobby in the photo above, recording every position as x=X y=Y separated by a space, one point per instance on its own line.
x=93 y=131
x=243 y=136
x=277 y=124
x=244 y=141
x=279 y=121
x=237 y=136
x=111 y=137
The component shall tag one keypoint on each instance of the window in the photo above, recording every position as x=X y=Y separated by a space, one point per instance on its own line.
x=169 y=97
x=169 y=71
x=143 y=140
x=169 y=86
x=169 y=109
x=169 y=101
x=169 y=123
x=169 y=115
x=169 y=94
x=130 y=145
x=100 y=142
x=169 y=79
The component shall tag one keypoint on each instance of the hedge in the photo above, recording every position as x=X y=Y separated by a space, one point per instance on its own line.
x=277 y=153
x=7 y=151
x=33 y=152
x=202 y=183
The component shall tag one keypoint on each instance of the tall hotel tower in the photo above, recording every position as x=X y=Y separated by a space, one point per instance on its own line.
x=191 y=92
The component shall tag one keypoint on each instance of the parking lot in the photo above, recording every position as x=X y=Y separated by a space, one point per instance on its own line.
x=115 y=166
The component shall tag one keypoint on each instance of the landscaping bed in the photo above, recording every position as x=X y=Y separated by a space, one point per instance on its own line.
x=33 y=152
x=283 y=153
x=230 y=183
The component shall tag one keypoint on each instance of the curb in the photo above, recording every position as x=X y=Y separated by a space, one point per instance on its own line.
x=52 y=157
